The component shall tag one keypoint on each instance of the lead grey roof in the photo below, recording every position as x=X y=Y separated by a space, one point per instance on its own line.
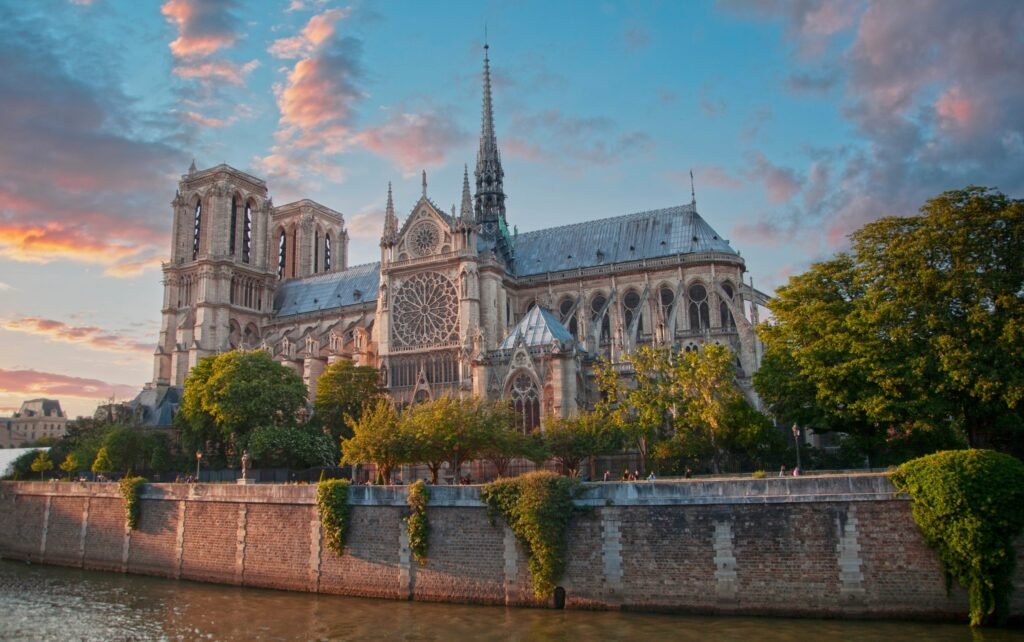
x=538 y=328
x=644 y=235
x=357 y=284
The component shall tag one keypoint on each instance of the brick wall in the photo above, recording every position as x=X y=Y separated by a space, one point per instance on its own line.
x=837 y=546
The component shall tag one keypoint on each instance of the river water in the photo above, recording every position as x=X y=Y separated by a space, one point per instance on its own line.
x=52 y=603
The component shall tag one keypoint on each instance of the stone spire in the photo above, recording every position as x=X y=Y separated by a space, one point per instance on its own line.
x=424 y=183
x=490 y=193
x=467 y=197
x=390 y=234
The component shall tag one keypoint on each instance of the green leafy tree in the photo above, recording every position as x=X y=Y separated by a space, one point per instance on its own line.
x=506 y=442
x=920 y=325
x=70 y=465
x=451 y=430
x=377 y=437
x=102 y=464
x=42 y=463
x=22 y=464
x=705 y=380
x=571 y=440
x=229 y=395
x=291 y=447
x=342 y=391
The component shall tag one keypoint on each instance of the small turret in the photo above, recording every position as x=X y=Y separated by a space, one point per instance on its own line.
x=390 y=234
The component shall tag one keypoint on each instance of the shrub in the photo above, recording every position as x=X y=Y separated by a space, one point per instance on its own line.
x=131 y=488
x=967 y=505
x=332 y=504
x=537 y=507
x=759 y=474
x=419 y=525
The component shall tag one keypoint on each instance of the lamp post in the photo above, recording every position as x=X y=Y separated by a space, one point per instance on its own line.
x=796 y=441
x=199 y=458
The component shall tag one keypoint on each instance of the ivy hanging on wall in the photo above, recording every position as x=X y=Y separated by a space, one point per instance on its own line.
x=967 y=504
x=131 y=489
x=419 y=525
x=332 y=504
x=537 y=507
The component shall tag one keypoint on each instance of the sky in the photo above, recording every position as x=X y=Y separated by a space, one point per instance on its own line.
x=801 y=121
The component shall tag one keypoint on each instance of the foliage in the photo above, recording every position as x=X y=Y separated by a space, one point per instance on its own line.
x=377 y=437
x=70 y=465
x=343 y=391
x=229 y=395
x=332 y=505
x=131 y=488
x=22 y=465
x=537 y=507
x=759 y=474
x=291 y=447
x=506 y=442
x=855 y=348
x=102 y=463
x=419 y=525
x=42 y=463
x=967 y=504
x=571 y=440
x=451 y=430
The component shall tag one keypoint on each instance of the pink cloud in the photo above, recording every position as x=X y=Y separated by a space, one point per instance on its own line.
x=319 y=28
x=89 y=336
x=780 y=183
x=220 y=71
x=204 y=26
x=414 y=140
x=955 y=108
x=51 y=384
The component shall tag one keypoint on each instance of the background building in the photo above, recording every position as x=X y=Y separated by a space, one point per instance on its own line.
x=36 y=419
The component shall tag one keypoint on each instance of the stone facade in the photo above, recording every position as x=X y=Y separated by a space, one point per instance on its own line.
x=809 y=546
x=458 y=304
x=37 y=418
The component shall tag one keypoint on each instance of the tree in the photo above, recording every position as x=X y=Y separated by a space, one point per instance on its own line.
x=42 y=463
x=102 y=463
x=342 y=391
x=291 y=447
x=228 y=395
x=22 y=465
x=571 y=440
x=377 y=437
x=70 y=465
x=920 y=324
x=705 y=380
x=451 y=430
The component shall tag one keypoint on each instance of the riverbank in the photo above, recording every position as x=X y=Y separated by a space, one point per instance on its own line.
x=827 y=546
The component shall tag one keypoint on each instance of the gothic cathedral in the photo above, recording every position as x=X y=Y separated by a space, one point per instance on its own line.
x=457 y=304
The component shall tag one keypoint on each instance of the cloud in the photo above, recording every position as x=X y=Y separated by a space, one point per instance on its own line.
x=415 y=140
x=5 y=287
x=51 y=384
x=755 y=122
x=710 y=104
x=204 y=26
x=933 y=92
x=780 y=183
x=319 y=28
x=316 y=102
x=572 y=141
x=714 y=176
x=216 y=71
x=77 y=182
x=89 y=336
x=366 y=225
x=636 y=37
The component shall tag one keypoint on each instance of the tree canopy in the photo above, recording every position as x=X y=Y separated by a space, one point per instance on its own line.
x=342 y=391
x=229 y=395
x=920 y=326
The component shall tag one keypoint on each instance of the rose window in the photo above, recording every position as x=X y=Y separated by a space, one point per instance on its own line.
x=425 y=311
x=424 y=239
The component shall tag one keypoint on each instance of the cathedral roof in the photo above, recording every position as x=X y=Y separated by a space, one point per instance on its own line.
x=644 y=235
x=357 y=284
x=538 y=328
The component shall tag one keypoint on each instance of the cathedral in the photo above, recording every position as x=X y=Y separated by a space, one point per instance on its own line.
x=457 y=305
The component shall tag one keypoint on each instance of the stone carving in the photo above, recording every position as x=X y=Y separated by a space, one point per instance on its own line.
x=425 y=311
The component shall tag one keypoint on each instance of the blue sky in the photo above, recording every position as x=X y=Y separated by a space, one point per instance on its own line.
x=801 y=121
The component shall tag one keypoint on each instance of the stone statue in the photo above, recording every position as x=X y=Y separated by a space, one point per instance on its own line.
x=245 y=462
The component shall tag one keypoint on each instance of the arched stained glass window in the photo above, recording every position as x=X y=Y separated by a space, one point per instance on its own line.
x=524 y=398
x=281 y=254
x=568 y=315
x=247 y=234
x=700 y=316
x=327 y=253
x=197 y=227
x=723 y=309
x=599 y=314
x=631 y=307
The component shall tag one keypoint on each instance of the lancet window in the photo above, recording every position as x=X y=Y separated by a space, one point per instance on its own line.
x=234 y=223
x=197 y=224
x=281 y=254
x=247 y=234
x=524 y=399
x=568 y=316
x=327 y=252
x=700 y=317
x=723 y=308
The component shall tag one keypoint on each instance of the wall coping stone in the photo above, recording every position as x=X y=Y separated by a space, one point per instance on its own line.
x=695 y=492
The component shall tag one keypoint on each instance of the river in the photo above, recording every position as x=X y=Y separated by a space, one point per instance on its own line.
x=53 y=603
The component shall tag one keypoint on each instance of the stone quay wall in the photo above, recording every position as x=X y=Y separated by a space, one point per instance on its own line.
x=836 y=546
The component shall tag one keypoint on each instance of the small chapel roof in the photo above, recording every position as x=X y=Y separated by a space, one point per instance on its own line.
x=357 y=284
x=644 y=235
x=539 y=327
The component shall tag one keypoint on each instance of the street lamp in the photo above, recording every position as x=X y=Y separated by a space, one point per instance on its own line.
x=796 y=440
x=199 y=458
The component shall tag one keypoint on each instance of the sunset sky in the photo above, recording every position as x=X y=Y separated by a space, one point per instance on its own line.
x=801 y=120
